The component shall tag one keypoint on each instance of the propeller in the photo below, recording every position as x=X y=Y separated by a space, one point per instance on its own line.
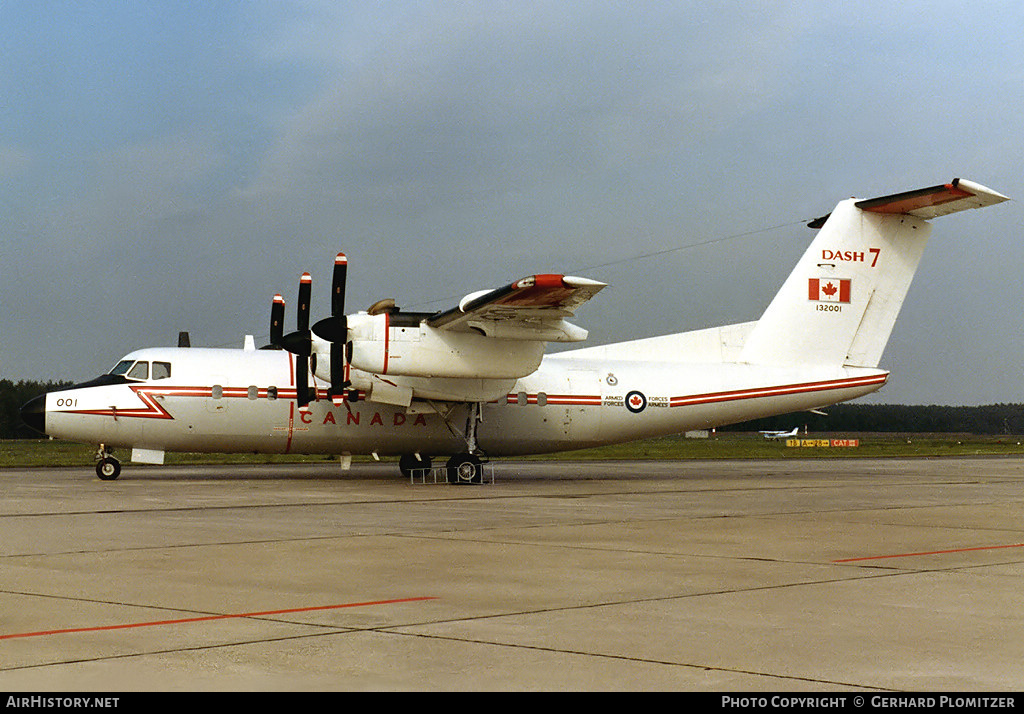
x=300 y=342
x=334 y=329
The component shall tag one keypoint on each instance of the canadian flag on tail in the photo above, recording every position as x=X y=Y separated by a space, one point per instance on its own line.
x=829 y=289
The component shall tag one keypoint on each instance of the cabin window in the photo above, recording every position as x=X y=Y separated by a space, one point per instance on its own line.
x=271 y=393
x=522 y=399
x=254 y=391
x=218 y=391
x=161 y=370
x=542 y=399
x=139 y=371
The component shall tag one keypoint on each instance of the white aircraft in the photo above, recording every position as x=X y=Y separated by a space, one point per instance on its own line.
x=780 y=434
x=474 y=381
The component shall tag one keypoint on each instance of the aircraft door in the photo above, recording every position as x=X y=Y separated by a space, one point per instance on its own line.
x=582 y=418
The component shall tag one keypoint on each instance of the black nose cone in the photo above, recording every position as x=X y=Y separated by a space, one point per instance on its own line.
x=34 y=413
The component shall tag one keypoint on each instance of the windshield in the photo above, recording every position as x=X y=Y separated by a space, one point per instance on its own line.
x=122 y=367
x=139 y=370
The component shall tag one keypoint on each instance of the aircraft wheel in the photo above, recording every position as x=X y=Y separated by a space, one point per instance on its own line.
x=408 y=462
x=464 y=468
x=108 y=468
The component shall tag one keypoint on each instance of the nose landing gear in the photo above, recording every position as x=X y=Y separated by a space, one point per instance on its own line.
x=107 y=467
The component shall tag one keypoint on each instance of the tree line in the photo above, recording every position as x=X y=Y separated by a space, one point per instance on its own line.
x=987 y=419
x=12 y=396
x=849 y=417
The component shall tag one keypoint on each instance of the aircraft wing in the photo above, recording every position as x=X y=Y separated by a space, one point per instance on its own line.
x=533 y=308
x=941 y=200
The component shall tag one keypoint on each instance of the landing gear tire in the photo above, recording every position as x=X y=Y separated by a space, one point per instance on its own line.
x=108 y=468
x=413 y=462
x=465 y=468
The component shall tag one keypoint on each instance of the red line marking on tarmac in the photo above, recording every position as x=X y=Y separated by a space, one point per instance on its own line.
x=930 y=552
x=209 y=618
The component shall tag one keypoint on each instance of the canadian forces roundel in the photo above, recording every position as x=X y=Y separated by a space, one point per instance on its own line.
x=636 y=402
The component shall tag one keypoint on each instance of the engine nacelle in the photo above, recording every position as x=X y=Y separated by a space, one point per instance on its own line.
x=419 y=350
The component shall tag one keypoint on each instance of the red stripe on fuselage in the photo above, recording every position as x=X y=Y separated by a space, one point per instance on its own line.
x=781 y=390
x=148 y=394
x=712 y=397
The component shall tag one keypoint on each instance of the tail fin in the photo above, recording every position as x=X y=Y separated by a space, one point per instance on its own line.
x=839 y=304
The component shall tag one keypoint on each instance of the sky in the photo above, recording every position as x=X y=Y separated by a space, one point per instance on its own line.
x=169 y=166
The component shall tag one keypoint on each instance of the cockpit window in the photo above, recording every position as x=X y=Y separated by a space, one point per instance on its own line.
x=139 y=371
x=122 y=367
x=131 y=369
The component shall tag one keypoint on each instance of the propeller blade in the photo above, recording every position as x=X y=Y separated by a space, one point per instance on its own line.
x=334 y=329
x=338 y=285
x=300 y=342
x=338 y=381
x=277 y=321
x=339 y=360
x=305 y=290
x=302 y=381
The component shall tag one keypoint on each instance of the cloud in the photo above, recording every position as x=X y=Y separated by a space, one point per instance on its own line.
x=130 y=190
x=13 y=161
x=194 y=171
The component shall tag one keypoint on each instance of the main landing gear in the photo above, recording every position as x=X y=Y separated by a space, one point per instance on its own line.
x=410 y=464
x=459 y=469
x=463 y=468
x=107 y=467
x=467 y=467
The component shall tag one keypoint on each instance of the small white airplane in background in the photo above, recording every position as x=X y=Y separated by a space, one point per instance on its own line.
x=474 y=382
x=780 y=434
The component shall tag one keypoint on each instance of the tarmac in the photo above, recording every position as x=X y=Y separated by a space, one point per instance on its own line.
x=790 y=575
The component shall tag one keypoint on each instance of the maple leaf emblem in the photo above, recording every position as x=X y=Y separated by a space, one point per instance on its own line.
x=829 y=289
x=635 y=402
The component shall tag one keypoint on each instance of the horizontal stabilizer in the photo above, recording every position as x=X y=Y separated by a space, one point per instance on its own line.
x=941 y=200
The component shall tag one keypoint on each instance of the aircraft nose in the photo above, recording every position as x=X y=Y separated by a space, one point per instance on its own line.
x=34 y=413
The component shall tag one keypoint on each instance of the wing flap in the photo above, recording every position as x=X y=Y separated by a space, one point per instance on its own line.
x=533 y=308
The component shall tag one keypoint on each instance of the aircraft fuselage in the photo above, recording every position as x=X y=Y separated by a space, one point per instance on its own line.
x=218 y=400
